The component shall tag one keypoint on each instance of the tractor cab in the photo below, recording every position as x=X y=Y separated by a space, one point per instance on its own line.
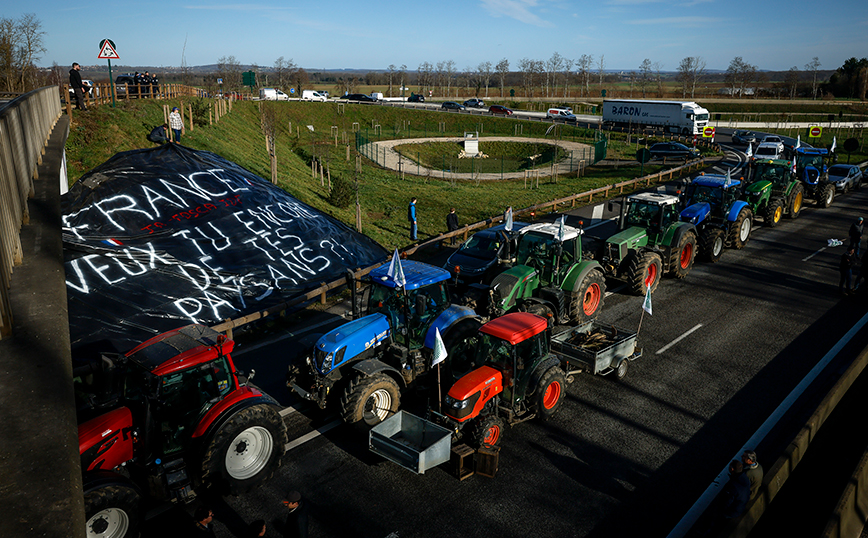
x=711 y=195
x=777 y=172
x=811 y=164
x=654 y=212
x=541 y=248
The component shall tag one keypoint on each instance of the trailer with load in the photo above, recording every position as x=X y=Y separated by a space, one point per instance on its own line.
x=679 y=117
x=721 y=218
x=520 y=374
x=364 y=366
x=652 y=240
x=812 y=170
x=774 y=191
x=163 y=420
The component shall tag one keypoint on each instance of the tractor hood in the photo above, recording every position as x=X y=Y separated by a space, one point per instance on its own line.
x=758 y=187
x=631 y=237
x=696 y=213
x=350 y=340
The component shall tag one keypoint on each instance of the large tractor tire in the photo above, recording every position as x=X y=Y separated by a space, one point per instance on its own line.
x=711 y=248
x=825 y=195
x=795 y=202
x=371 y=399
x=586 y=302
x=644 y=272
x=684 y=256
x=460 y=344
x=246 y=450
x=741 y=228
x=487 y=430
x=550 y=392
x=112 y=511
x=774 y=213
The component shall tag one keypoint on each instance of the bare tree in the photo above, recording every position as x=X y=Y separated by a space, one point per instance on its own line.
x=284 y=70
x=658 y=77
x=402 y=75
x=391 y=74
x=553 y=66
x=813 y=66
x=645 y=73
x=584 y=63
x=525 y=66
x=568 y=66
x=690 y=70
x=733 y=74
x=483 y=72
x=449 y=71
x=440 y=76
x=21 y=46
x=31 y=49
x=229 y=69
x=426 y=76
x=502 y=69
x=791 y=81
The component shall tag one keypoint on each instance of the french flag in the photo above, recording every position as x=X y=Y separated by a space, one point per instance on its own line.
x=112 y=242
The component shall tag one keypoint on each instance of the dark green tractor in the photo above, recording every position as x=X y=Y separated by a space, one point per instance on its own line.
x=774 y=191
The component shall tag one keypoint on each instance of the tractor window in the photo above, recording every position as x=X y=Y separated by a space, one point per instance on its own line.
x=706 y=194
x=426 y=303
x=643 y=215
x=533 y=248
x=670 y=215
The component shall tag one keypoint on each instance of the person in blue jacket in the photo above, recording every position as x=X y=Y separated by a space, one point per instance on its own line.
x=411 y=216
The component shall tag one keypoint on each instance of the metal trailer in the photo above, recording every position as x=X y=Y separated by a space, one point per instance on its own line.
x=618 y=349
x=412 y=442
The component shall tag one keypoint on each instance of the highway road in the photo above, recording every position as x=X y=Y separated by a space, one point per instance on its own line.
x=723 y=348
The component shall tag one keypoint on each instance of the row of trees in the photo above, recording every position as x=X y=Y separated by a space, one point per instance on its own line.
x=21 y=46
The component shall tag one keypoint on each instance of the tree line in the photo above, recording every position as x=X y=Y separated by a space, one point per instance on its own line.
x=21 y=46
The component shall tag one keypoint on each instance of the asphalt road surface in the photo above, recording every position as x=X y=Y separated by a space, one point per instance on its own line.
x=722 y=350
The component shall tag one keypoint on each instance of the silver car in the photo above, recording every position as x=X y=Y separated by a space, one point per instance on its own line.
x=845 y=177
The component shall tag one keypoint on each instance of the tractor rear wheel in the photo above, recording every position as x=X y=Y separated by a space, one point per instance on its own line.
x=585 y=303
x=797 y=197
x=644 y=272
x=112 y=511
x=740 y=229
x=826 y=195
x=487 y=430
x=246 y=450
x=685 y=255
x=774 y=213
x=712 y=245
x=550 y=392
x=371 y=399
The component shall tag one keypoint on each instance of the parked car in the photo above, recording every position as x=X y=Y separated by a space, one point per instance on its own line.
x=475 y=103
x=359 y=97
x=743 y=137
x=121 y=83
x=476 y=260
x=500 y=109
x=452 y=105
x=91 y=89
x=845 y=177
x=769 y=150
x=416 y=98
x=673 y=149
x=773 y=138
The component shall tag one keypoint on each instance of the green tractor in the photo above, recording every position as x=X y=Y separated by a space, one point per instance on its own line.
x=774 y=191
x=551 y=277
x=652 y=241
x=812 y=171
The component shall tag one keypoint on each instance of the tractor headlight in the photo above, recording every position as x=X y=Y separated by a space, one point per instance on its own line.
x=452 y=403
x=325 y=360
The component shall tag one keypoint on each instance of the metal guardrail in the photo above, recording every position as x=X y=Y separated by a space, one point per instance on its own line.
x=25 y=126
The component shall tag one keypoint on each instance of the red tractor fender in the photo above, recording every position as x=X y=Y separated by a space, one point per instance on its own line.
x=238 y=399
x=477 y=387
x=106 y=441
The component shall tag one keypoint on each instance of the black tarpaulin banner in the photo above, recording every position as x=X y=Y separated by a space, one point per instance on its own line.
x=158 y=238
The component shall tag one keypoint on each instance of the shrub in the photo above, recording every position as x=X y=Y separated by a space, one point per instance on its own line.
x=342 y=194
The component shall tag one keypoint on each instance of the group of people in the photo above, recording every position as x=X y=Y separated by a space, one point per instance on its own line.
x=850 y=259
x=294 y=526
x=145 y=81
x=745 y=479
x=451 y=220
x=160 y=133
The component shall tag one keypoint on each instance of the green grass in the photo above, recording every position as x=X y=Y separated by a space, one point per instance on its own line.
x=499 y=156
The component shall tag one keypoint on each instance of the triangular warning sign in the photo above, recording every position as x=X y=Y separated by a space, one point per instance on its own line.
x=108 y=52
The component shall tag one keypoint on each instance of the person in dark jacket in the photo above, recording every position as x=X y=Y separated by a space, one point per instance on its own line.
x=77 y=85
x=452 y=223
x=159 y=134
x=856 y=235
x=202 y=518
x=753 y=471
x=848 y=259
x=736 y=492
x=296 y=520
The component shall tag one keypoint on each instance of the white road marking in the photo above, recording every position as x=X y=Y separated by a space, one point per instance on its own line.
x=312 y=435
x=702 y=504
x=592 y=226
x=288 y=411
x=680 y=338
x=814 y=254
x=597 y=214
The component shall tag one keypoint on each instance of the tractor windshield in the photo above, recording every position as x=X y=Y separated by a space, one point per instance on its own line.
x=643 y=214
x=810 y=160
x=420 y=306
x=704 y=193
x=547 y=255
x=777 y=174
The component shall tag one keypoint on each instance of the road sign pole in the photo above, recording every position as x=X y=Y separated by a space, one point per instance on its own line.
x=112 y=82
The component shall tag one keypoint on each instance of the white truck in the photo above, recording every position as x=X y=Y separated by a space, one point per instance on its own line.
x=272 y=94
x=681 y=117
x=312 y=95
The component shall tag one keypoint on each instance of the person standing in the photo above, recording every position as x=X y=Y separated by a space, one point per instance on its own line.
x=176 y=124
x=202 y=528
x=736 y=492
x=77 y=85
x=411 y=216
x=753 y=470
x=452 y=224
x=856 y=235
x=846 y=268
x=296 y=520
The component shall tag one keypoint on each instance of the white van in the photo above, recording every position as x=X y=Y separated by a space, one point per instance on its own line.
x=311 y=95
x=563 y=114
x=272 y=94
x=377 y=96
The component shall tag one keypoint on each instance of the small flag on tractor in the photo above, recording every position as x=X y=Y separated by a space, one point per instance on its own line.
x=834 y=144
x=646 y=304
x=561 y=232
x=507 y=217
x=439 y=348
x=396 y=272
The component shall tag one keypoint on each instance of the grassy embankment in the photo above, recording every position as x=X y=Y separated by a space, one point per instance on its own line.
x=238 y=137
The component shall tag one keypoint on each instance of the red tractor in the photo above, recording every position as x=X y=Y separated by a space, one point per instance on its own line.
x=517 y=379
x=168 y=417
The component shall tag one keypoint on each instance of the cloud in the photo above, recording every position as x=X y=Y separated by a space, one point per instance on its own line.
x=691 y=22
x=516 y=9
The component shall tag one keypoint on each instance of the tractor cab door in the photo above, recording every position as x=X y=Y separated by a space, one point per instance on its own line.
x=528 y=354
x=425 y=303
x=185 y=395
x=390 y=303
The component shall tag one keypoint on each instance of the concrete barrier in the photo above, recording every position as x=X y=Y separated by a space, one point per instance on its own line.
x=25 y=125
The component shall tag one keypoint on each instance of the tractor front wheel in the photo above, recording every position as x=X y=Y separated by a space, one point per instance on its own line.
x=773 y=214
x=585 y=303
x=550 y=392
x=644 y=272
x=712 y=245
x=797 y=197
x=740 y=230
x=487 y=430
x=685 y=255
x=371 y=399
x=826 y=195
x=246 y=450
x=112 y=511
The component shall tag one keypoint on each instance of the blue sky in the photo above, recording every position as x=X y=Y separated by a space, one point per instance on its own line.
x=371 y=34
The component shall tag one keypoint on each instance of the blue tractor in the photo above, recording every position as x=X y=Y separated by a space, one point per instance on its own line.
x=713 y=206
x=365 y=366
x=812 y=171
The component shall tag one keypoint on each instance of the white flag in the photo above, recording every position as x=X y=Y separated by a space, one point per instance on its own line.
x=646 y=304
x=439 y=348
x=561 y=232
x=834 y=143
x=798 y=142
x=396 y=272
x=749 y=153
x=508 y=218
x=728 y=182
